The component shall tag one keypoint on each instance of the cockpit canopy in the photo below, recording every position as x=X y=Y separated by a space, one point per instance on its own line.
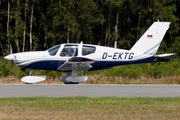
x=71 y=50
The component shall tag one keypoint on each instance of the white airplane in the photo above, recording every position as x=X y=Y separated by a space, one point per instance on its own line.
x=71 y=58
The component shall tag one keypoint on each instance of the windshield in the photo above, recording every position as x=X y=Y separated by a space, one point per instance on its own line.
x=53 y=50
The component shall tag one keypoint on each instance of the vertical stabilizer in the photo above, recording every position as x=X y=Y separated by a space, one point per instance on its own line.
x=151 y=39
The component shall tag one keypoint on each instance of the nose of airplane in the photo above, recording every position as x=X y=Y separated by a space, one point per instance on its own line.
x=9 y=57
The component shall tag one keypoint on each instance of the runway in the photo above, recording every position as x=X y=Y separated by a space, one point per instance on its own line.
x=89 y=90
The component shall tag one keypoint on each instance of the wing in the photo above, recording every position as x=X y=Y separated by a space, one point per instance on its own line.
x=80 y=63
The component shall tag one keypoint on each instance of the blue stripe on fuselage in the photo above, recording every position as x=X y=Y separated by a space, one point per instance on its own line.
x=99 y=65
x=45 y=65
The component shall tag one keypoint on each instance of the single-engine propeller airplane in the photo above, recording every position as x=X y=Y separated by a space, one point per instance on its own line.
x=72 y=57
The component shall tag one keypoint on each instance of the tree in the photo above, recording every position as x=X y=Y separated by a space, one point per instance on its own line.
x=16 y=25
x=24 y=33
x=1 y=30
x=31 y=22
x=58 y=22
x=8 y=12
x=165 y=12
x=87 y=18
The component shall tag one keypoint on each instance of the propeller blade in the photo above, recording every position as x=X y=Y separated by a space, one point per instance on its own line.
x=10 y=49
x=12 y=64
x=11 y=60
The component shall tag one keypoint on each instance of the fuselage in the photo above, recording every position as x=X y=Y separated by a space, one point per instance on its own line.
x=104 y=57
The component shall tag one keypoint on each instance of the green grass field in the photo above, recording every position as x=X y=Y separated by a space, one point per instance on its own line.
x=85 y=108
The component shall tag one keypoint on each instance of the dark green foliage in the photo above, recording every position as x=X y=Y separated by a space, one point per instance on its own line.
x=49 y=74
x=156 y=70
x=5 y=68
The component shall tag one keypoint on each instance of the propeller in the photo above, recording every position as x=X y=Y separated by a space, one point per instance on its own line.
x=11 y=60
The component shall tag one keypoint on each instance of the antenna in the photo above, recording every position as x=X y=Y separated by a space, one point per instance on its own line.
x=115 y=44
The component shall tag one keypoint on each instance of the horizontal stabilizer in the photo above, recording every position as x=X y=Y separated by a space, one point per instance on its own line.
x=165 y=55
x=33 y=79
x=159 y=59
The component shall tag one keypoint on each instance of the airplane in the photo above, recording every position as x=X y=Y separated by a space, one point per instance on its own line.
x=73 y=57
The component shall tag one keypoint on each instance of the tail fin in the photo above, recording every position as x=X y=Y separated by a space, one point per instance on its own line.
x=151 y=39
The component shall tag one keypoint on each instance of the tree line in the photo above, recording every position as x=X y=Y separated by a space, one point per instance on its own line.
x=30 y=25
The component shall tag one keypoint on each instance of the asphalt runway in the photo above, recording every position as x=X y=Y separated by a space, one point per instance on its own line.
x=89 y=90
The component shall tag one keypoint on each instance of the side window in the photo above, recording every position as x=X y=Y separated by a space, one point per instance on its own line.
x=86 y=50
x=52 y=51
x=69 y=51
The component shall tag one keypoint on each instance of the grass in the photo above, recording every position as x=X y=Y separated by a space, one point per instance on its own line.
x=96 y=79
x=76 y=108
